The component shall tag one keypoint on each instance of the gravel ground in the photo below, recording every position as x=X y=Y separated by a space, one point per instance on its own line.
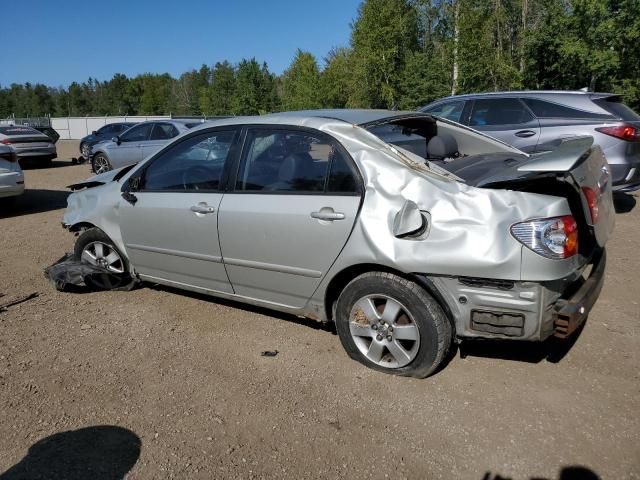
x=156 y=383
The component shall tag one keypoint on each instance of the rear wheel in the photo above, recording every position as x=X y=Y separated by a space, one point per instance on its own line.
x=95 y=248
x=392 y=325
x=100 y=164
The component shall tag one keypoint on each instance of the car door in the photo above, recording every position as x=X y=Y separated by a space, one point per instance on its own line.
x=160 y=136
x=506 y=119
x=170 y=225
x=129 y=148
x=295 y=199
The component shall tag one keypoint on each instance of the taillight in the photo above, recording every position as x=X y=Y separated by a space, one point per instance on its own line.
x=6 y=141
x=592 y=195
x=550 y=237
x=623 y=132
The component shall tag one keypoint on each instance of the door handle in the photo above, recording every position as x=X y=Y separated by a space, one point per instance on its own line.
x=202 y=208
x=327 y=213
x=525 y=133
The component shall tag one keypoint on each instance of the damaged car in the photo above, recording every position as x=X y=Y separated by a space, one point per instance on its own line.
x=340 y=216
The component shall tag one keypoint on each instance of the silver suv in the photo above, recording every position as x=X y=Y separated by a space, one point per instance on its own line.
x=537 y=121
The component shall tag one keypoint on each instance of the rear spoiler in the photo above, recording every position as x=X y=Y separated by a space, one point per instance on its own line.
x=562 y=159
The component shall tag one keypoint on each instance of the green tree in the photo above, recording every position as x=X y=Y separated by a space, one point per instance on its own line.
x=336 y=82
x=217 y=98
x=301 y=83
x=383 y=34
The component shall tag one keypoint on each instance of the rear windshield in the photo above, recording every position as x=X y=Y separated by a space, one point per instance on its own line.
x=615 y=106
x=18 y=130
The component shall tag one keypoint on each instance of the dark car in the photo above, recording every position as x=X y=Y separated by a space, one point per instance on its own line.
x=103 y=133
x=537 y=121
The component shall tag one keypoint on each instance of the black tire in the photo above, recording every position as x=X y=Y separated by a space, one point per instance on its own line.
x=434 y=328
x=98 y=157
x=106 y=281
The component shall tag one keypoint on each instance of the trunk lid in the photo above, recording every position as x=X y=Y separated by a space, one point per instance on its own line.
x=576 y=169
x=587 y=166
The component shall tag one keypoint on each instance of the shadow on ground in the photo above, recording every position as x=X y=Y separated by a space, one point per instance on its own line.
x=623 y=202
x=29 y=164
x=307 y=322
x=552 y=350
x=99 y=453
x=33 y=201
x=573 y=472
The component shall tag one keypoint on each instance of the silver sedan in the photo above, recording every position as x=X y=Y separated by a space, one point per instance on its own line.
x=11 y=176
x=136 y=143
x=315 y=214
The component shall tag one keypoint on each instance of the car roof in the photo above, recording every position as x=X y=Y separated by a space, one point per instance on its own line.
x=318 y=119
x=528 y=93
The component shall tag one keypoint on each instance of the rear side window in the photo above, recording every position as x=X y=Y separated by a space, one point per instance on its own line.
x=499 y=111
x=615 y=106
x=544 y=109
x=293 y=161
x=163 y=131
x=449 y=110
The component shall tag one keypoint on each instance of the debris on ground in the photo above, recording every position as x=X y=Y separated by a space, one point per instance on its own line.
x=269 y=353
x=5 y=306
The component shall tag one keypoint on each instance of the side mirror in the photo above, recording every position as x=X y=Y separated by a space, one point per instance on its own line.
x=94 y=132
x=116 y=140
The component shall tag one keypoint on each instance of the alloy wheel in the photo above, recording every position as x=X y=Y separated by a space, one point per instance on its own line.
x=384 y=331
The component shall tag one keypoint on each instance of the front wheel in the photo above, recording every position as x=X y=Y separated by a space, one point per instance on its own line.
x=392 y=325
x=100 y=164
x=95 y=248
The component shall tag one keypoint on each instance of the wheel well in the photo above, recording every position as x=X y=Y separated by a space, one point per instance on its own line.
x=78 y=227
x=341 y=280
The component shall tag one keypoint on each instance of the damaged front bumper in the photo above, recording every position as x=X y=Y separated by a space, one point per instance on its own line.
x=534 y=311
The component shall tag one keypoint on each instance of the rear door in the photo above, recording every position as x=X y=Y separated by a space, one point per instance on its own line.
x=506 y=119
x=160 y=135
x=295 y=201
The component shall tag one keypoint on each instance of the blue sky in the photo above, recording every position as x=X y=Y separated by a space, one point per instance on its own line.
x=58 y=42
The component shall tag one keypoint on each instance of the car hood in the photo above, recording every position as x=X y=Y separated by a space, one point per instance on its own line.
x=102 y=179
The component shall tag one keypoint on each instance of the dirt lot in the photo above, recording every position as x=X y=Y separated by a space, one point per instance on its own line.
x=156 y=383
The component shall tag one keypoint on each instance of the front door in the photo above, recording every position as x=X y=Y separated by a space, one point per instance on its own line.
x=295 y=201
x=171 y=231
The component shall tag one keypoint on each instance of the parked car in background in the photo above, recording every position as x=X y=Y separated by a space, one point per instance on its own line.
x=312 y=213
x=106 y=132
x=536 y=121
x=28 y=143
x=11 y=177
x=136 y=143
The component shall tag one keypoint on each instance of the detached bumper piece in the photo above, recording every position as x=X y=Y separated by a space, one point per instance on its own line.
x=571 y=312
x=68 y=274
x=509 y=324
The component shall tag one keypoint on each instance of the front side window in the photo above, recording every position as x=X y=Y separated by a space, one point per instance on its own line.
x=449 y=110
x=107 y=129
x=286 y=161
x=499 y=111
x=194 y=164
x=137 y=134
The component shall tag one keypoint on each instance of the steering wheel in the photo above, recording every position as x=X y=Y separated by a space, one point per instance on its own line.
x=192 y=177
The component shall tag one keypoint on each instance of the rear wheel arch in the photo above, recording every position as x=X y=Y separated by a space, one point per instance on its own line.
x=81 y=226
x=342 y=279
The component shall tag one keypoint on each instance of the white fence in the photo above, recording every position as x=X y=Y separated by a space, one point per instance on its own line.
x=74 y=128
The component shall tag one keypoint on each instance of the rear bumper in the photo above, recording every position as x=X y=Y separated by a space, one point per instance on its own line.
x=11 y=184
x=571 y=312
x=521 y=310
x=626 y=177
